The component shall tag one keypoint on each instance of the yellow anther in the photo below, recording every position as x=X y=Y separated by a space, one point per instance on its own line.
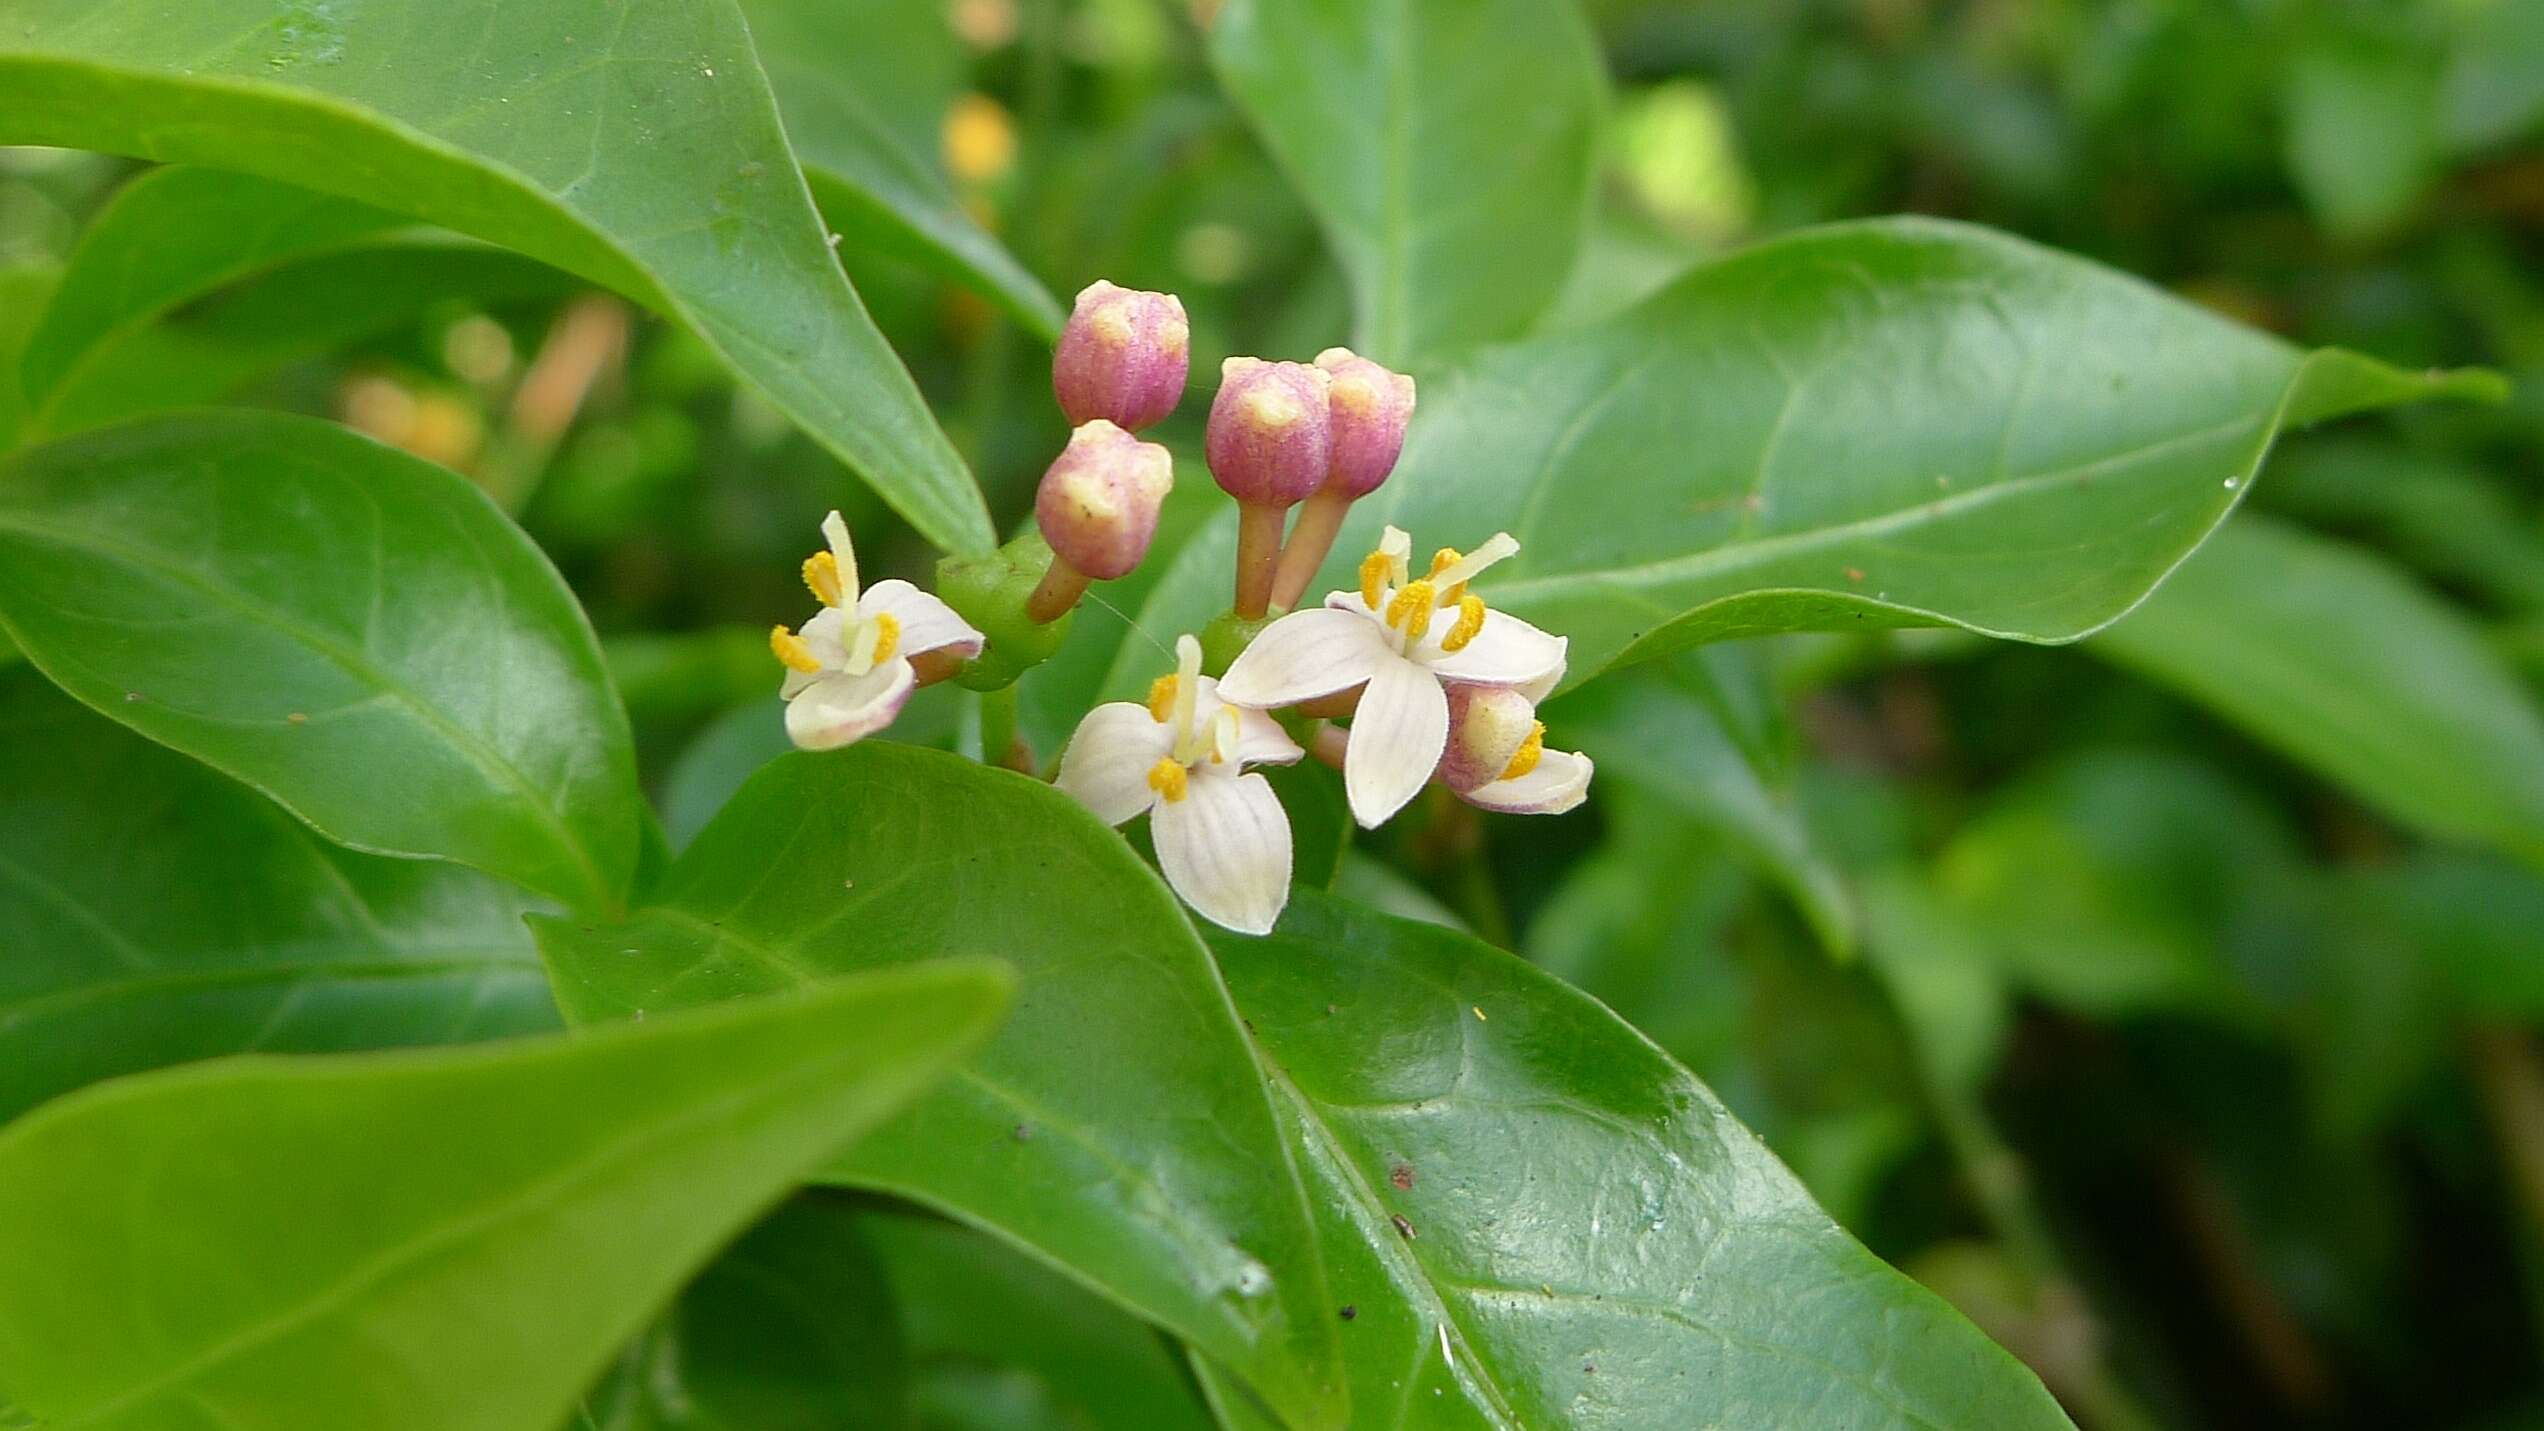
x=1167 y=778
x=821 y=573
x=1410 y=612
x=1530 y=752
x=791 y=650
x=1373 y=578
x=887 y=639
x=1470 y=621
x=1161 y=699
x=1441 y=561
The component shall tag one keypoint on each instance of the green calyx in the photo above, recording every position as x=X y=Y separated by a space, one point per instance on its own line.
x=990 y=592
x=1227 y=636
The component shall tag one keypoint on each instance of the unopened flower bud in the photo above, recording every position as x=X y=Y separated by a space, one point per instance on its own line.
x=1123 y=357
x=1269 y=439
x=1488 y=728
x=1098 y=502
x=1370 y=408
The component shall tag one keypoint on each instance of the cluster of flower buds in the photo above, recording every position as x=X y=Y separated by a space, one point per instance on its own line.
x=1317 y=436
x=1120 y=367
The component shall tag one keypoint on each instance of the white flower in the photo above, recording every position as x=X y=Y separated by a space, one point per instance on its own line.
x=1401 y=642
x=1222 y=838
x=848 y=671
x=1497 y=757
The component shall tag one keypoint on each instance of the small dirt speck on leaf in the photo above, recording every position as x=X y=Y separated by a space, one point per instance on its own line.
x=1402 y=1176
x=1404 y=1229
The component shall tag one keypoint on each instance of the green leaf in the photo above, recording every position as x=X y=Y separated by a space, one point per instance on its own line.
x=1893 y=423
x=155 y=912
x=271 y=1259
x=1054 y=1137
x=23 y=294
x=865 y=89
x=304 y=309
x=1445 y=145
x=634 y=144
x=2113 y=883
x=790 y=1329
x=2349 y=667
x=2361 y=103
x=173 y=235
x=1539 y=1220
x=1000 y=1343
x=1672 y=733
x=358 y=634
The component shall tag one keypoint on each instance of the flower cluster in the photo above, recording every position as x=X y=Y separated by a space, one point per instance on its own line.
x=1404 y=681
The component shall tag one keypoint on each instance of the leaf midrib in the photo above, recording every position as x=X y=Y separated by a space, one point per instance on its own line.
x=1731 y=557
x=489 y=761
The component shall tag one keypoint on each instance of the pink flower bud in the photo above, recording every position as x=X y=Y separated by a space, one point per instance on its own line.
x=1123 y=357
x=1270 y=435
x=1370 y=408
x=1098 y=502
x=1487 y=727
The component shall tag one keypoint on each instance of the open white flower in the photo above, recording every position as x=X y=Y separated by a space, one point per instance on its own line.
x=1401 y=642
x=1497 y=757
x=1221 y=835
x=848 y=671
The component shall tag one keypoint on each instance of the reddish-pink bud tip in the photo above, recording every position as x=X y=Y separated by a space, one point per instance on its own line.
x=1098 y=502
x=1270 y=436
x=1371 y=406
x=1123 y=357
x=1487 y=726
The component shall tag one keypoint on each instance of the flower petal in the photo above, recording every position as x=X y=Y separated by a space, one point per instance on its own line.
x=1396 y=739
x=927 y=623
x=1507 y=652
x=1106 y=765
x=838 y=709
x=1260 y=738
x=1304 y=655
x=1225 y=847
x=1560 y=782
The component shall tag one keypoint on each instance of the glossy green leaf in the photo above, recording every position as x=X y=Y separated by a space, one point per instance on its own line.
x=358 y=634
x=273 y=1260
x=1540 y=1220
x=865 y=89
x=790 y=1329
x=173 y=235
x=1892 y=423
x=999 y=1343
x=1446 y=146
x=634 y=144
x=2344 y=663
x=1186 y=1211
x=153 y=912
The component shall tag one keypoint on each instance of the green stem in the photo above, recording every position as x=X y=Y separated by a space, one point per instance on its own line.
x=998 y=726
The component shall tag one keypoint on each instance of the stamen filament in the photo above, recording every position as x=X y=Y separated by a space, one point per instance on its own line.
x=1472 y=565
